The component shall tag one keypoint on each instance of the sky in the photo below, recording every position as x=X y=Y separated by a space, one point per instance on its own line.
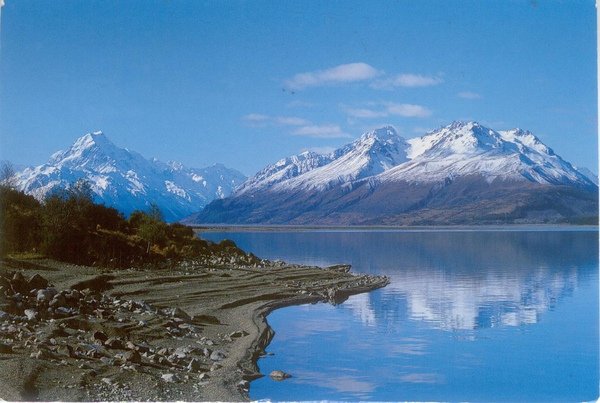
x=246 y=83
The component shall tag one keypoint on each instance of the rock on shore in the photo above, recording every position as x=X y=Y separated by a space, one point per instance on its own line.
x=191 y=333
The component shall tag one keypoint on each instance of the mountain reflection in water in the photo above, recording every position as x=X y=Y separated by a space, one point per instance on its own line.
x=468 y=315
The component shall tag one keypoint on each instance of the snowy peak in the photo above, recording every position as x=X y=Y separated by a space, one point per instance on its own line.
x=458 y=149
x=468 y=148
x=372 y=153
x=524 y=138
x=284 y=169
x=127 y=181
x=457 y=138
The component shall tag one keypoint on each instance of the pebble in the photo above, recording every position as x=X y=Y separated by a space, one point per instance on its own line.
x=170 y=378
x=31 y=314
x=218 y=355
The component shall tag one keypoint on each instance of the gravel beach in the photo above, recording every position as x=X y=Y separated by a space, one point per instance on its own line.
x=191 y=332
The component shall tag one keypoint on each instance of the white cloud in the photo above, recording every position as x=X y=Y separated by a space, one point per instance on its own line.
x=256 y=119
x=407 y=80
x=469 y=95
x=321 y=131
x=344 y=73
x=320 y=150
x=408 y=110
x=299 y=104
x=365 y=113
x=389 y=109
x=291 y=121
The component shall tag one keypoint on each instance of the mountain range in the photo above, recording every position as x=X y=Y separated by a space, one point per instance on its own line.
x=127 y=181
x=463 y=173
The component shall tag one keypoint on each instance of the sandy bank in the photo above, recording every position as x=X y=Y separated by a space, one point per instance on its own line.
x=119 y=337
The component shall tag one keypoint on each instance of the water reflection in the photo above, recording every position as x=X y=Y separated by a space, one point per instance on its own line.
x=451 y=280
x=489 y=298
x=479 y=316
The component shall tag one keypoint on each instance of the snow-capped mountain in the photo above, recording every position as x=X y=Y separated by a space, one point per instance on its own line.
x=462 y=149
x=126 y=180
x=588 y=174
x=373 y=153
x=460 y=173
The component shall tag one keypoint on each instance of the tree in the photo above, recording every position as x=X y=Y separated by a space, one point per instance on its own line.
x=7 y=175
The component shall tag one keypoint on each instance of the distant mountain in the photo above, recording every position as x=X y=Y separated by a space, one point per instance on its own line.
x=463 y=173
x=126 y=180
x=588 y=174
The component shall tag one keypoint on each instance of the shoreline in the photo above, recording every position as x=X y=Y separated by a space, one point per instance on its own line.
x=190 y=313
x=392 y=228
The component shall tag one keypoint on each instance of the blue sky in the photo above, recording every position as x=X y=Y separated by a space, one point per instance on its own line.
x=248 y=82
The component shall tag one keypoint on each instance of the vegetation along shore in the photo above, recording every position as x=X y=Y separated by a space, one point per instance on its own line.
x=96 y=307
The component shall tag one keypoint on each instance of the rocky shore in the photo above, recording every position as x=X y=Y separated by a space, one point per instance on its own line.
x=191 y=332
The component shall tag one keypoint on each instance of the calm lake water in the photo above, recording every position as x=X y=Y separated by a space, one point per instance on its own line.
x=469 y=315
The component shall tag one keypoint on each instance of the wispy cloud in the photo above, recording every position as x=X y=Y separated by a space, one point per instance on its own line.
x=365 y=113
x=320 y=150
x=389 y=109
x=408 y=110
x=321 y=131
x=344 y=73
x=299 y=104
x=256 y=119
x=407 y=80
x=469 y=95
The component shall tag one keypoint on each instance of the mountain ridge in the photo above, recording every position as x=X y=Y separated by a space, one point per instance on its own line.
x=126 y=180
x=381 y=177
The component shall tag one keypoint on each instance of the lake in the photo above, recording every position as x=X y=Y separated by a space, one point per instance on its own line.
x=476 y=315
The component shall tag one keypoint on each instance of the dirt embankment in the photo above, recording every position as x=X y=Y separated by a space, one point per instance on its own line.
x=76 y=333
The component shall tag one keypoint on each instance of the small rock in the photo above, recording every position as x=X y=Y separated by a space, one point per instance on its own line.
x=114 y=343
x=101 y=336
x=46 y=294
x=5 y=348
x=31 y=314
x=36 y=282
x=194 y=365
x=244 y=385
x=42 y=355
x=278 y=375
x=170 y=378
x=218 y=355
x=133 y=356
x=178 y=313
x=57 y=301
x=203 y=376
x=239 y=333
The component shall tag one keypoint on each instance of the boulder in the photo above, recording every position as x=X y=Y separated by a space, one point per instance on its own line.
x=278 y=375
